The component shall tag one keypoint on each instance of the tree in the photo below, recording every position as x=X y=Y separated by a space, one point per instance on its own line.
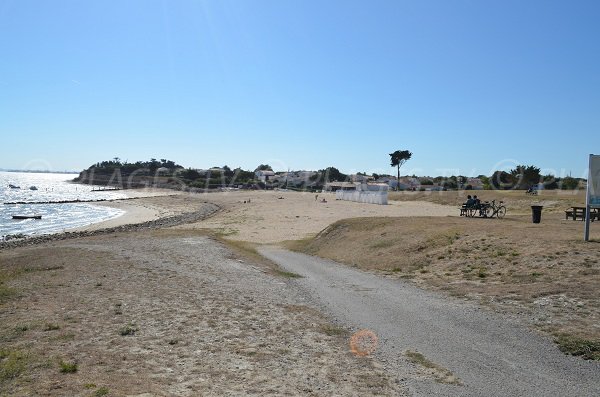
x=227 y=171
x=263 y=167
x=569 y=183
x=398 y=158
x=190 y=174
x=550 y=182
x=525 y=176
x=501 y=180
x=329 y=174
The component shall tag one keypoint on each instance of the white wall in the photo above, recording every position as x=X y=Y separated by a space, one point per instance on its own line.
x=363 y=196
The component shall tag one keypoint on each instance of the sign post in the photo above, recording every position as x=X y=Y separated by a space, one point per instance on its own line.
x=592 y=198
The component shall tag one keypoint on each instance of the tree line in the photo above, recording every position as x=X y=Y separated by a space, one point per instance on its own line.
x=521 y=177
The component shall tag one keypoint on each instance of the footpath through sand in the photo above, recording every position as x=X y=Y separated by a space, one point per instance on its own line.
x=486 y=354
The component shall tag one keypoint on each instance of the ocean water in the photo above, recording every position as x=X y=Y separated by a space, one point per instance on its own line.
x=55 y=217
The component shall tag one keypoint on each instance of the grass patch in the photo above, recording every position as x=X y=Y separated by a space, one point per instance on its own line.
x=441 y=374
x=247 y=251
x=51 y=327
x=128 y=330
x=6 y=292
x=332 y=330
x=12 y=364
x=482 y=273
x=383 y=244
x=575 y=346
x=288 y=274
x=67 y=368
x=103 y=391
x=443 y=239
x=65 y=337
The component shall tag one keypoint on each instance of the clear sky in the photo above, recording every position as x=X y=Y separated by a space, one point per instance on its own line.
x=469 y=86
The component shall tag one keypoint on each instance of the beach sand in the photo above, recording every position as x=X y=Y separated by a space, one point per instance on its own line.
x=259 y=216
x=276 y=216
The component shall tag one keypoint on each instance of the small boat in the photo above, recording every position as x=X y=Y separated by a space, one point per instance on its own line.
x=13 y=186
x=27 y=217
x=33 y=188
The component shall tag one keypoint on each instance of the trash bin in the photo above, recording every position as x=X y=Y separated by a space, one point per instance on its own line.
x=536 y=213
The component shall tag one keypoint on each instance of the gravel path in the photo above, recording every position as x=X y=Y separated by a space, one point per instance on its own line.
x=490 y=354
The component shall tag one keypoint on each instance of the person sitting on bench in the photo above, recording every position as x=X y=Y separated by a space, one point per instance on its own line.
x=470 y=202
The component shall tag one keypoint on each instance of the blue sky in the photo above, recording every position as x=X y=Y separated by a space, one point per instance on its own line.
x=468 y=86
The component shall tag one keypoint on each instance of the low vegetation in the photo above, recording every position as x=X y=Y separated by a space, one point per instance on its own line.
x=516 y=201
x=6 y=292
x=440 y=374
x=12 y=364
x=128 y=330
x=544 y=272
x=288 y=274
x=101 y=391
x=67 y=367
x=587 y=349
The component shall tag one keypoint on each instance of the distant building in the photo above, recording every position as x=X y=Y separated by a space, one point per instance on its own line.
x=392 y=182
x=264 y=176
x=475 y=183
x=335 y=186
x=297 y=178
x=360 y=178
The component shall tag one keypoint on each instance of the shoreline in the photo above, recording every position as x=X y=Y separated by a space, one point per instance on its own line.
x=141 y=210
x=97 y=230
x=252 y=216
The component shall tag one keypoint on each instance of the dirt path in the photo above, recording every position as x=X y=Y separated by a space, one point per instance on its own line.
x=166 y=313
x=489 y=354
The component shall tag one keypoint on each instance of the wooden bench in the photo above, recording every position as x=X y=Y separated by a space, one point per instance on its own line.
x=467 y=210
x=578 y=213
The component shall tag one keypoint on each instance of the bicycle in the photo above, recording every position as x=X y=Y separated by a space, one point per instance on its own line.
x=489 y=210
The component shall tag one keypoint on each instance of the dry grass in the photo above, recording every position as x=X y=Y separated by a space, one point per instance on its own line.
x=173 y=316
x=544 y=271
x=440 y=374
x=517 y=202
x=244 y=251
x=7 y=292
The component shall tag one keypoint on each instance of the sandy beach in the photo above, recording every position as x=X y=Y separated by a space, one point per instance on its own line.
x=259 y=216
x=275 y=216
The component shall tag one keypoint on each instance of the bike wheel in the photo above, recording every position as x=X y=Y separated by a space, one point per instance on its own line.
x=501 y=211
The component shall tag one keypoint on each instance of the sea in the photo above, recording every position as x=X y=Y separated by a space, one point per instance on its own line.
x=39 y=187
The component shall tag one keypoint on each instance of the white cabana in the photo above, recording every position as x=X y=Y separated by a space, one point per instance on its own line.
x=365 y=193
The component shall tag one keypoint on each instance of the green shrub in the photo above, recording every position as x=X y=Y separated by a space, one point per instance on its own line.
x=67 y=368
